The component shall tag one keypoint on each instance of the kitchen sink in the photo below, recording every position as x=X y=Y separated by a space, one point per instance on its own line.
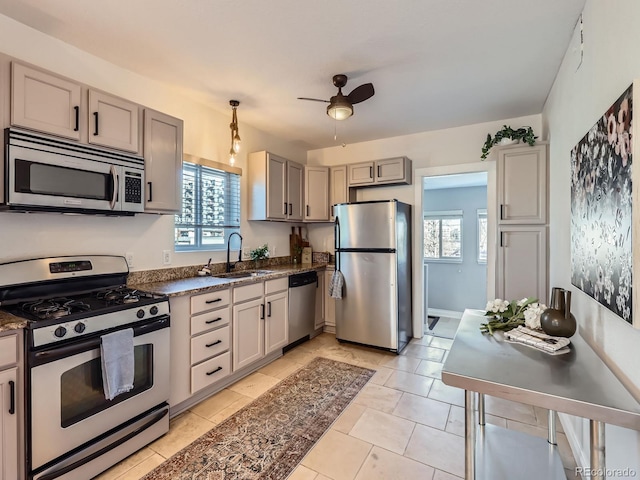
x=245 y=274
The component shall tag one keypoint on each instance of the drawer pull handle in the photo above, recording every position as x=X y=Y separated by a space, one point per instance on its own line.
x=214 y=371
x=214 y=343
x=268 y=309
x=209 y=322
x=262 y=311
x=12 y=402
x=213 y=301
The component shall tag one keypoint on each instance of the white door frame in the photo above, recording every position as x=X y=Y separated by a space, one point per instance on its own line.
x=418 y=175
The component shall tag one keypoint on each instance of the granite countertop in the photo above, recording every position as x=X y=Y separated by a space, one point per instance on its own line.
x=11 y=322
x=192 y=285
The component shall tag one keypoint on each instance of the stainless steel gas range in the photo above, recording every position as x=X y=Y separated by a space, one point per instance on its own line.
x=72 y=431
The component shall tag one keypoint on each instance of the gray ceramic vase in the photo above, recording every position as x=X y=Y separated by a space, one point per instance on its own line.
x=557 y=320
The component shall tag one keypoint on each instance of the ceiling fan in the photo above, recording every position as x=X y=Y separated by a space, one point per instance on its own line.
x=341 y=106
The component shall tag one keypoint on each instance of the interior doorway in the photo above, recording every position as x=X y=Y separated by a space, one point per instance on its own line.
x=447 y=248
x=454 y=249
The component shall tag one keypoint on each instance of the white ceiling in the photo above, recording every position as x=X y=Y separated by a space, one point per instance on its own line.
x=434 y=63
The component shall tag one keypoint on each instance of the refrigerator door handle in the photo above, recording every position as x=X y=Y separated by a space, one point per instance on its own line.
x=336 y=241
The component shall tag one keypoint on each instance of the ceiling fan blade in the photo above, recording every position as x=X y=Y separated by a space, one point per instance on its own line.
x=361 y=93
x=313 y=99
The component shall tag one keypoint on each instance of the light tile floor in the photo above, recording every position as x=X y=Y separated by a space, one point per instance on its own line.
x=404 y=424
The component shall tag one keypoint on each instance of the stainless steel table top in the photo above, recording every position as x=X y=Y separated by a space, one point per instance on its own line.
x=578 y=382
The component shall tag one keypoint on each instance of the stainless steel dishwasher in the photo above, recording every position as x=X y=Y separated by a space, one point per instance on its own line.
x=302 y=307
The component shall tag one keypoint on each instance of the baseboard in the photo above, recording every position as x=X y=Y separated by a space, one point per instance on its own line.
x=581 y=456
x=436 y=312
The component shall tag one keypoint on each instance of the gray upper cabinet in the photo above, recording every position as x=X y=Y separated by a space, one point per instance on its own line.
x=316 y=193
x=163 y=153
x=338 y=186
x=388 y=171
x=522 y=185
x=295 y=191
x=113 y=122
x=45 y=102
x=361 y=174
x=276 y=188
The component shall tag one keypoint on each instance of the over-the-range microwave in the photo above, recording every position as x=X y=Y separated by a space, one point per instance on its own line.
x=43 y=173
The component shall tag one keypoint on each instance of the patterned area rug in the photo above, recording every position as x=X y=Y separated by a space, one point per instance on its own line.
x=270 y=436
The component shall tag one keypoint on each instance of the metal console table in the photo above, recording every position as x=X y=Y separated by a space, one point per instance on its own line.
x=577 y=383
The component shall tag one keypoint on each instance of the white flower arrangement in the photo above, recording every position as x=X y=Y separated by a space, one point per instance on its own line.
x=505 y=315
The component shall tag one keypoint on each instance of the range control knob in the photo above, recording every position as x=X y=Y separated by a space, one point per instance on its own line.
x=140 y=313
x=60 y=332
x=80 y=327
x=153 y=310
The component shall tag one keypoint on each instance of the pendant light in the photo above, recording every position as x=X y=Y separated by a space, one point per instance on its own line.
x=235 y=136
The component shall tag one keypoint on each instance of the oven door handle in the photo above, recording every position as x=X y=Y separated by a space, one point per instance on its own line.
x=56 y=353
x=108 y=448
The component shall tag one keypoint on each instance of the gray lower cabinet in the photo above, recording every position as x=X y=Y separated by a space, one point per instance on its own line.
x=260 y=322
x=200 y=342
x=11 y=413
x=522 y=262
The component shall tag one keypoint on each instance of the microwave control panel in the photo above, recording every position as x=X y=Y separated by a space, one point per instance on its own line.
x=132 y=187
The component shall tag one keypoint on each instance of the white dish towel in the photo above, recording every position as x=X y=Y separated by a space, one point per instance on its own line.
x=116 y=351
x=335 y=285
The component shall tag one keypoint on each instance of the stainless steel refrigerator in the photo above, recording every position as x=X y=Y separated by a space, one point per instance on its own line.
x=373 y=252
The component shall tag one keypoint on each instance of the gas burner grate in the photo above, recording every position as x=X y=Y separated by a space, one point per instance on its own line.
x=119 y=295
x=55 y=307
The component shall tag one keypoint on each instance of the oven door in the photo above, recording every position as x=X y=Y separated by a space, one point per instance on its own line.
x=52 y=180
x=68 y=405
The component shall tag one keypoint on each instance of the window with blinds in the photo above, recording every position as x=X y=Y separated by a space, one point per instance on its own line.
x=443 y=236
x=210 y=208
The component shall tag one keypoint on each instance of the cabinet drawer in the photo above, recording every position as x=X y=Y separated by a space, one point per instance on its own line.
x=210 y=371
x=208 y=301
x=209 y=344
x=207 y=321
x=276 y=285
x=247 y=292
x=8 y=350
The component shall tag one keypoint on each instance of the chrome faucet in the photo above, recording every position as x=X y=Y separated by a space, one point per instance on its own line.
x=229 y=266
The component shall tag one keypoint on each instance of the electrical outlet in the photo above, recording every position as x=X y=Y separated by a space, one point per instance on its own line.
x=246 y=253
x=272 y=251
x=166 y=257
x=129 y=257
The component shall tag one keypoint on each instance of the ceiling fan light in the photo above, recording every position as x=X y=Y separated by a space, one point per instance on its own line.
x=340 y=111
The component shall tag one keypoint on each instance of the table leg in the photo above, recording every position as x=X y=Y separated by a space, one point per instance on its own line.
x=469 y=435
x=551 y=420
x=481 y=420
x=596 y=434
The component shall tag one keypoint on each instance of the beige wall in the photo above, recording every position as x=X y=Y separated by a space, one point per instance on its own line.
x=206 y=134
x=578 y=97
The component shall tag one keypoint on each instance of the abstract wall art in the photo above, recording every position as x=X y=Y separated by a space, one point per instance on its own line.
x=601 y=204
